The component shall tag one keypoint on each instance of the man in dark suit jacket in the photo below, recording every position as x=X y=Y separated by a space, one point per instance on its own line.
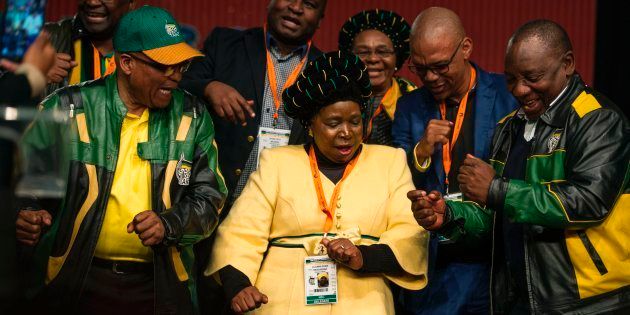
x=234 y=79
x=456 y=109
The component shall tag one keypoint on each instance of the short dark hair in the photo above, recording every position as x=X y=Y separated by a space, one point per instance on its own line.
x=549 y=32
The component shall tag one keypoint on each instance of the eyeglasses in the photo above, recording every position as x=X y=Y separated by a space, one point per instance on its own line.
x=438 y=69
x=167 y=70
x=381 y=53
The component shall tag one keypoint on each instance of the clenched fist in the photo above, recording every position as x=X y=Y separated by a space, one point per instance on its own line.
x=30 y=225
x=428 y=210
x=437 y=132
x=149 y=227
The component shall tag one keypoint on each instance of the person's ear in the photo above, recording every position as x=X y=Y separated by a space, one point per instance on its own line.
x=467 y=47
x=568 y=61
x=125 y=63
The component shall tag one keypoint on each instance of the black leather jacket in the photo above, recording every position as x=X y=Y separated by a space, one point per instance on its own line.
x=62 y=34
x=574 y=207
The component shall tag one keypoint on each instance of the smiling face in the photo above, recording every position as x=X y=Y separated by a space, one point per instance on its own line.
x=337 y=130
x=447 y=52
x=377 y=52
x=101 y=17
x=536 y=74
x=294 y=21
x=146 y=83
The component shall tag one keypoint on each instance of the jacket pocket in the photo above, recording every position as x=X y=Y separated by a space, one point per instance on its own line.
x=592 y=252
x=600 y=254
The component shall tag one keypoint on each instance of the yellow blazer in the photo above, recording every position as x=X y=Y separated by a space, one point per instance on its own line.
x=276 y=222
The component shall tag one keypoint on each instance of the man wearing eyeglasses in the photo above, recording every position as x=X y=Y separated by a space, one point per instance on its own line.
x=144 y=184
x=452 y=115
x=555 y=196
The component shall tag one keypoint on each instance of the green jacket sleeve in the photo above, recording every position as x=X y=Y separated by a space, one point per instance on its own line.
x=597 y=154
x=468 y=222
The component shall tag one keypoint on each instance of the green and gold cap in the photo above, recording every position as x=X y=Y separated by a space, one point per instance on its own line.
x=154 y=32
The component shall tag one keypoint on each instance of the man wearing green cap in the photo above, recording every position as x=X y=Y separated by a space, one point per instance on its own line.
x=144 y=185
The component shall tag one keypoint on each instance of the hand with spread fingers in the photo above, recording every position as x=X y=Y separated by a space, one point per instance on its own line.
x=344 y=251
x=149 y=227
x=437 y=132
x=474 y=179
x=30 y=225
x=228 y=103
x=428 y=210
x=247 y=300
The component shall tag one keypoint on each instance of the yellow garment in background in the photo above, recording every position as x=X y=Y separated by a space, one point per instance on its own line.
x=130 y=195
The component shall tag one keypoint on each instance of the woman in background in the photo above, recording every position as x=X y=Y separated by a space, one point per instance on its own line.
x=381 y=39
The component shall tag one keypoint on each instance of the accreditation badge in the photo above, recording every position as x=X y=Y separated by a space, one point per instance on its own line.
x=271 y=138
x=320 y=280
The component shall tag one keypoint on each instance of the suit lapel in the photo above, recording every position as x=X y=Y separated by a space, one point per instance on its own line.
x=484 y=105
x=256 y=53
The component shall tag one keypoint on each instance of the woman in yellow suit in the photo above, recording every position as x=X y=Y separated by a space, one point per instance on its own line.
x=333 y=199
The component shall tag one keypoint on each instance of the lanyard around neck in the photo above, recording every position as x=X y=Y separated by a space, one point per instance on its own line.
x=378 y=110
x=328 y=208
x=271 y=75
x=459 y=121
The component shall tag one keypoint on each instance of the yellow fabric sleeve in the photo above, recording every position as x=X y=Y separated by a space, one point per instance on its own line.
x=420 y=166
x=404 y=236
x=243 y=237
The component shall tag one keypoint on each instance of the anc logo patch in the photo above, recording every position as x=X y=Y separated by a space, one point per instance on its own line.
x=171 y=29
x=553 y=141
x=182 y=171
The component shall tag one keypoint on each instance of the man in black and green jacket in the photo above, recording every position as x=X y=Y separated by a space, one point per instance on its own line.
x=143 y=186
x=556 y=198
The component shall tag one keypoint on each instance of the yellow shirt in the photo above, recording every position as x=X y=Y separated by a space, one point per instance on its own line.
x=130 y=195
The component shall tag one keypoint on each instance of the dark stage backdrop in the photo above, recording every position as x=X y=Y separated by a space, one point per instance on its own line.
x=488 y=22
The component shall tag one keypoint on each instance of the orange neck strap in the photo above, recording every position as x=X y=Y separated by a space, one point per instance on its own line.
x=459 y=121
x=328 y=208
x=271 y=75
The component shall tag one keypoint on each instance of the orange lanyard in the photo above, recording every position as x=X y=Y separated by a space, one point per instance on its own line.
x=378 y=110
x=271 y=75
x=459 y=121
x=96 y=62
x=328 y=209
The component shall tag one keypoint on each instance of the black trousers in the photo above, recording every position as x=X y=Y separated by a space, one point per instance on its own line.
x=117 y=293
